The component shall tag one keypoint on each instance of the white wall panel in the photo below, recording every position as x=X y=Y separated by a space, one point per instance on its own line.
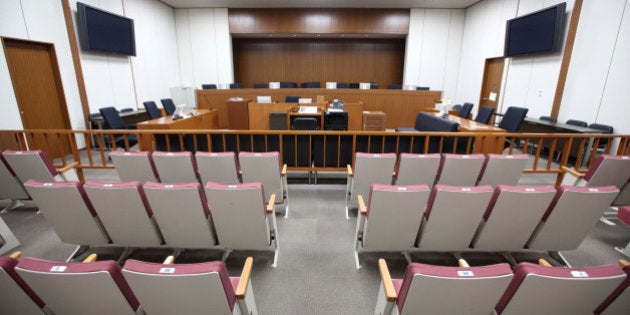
x=413 y=50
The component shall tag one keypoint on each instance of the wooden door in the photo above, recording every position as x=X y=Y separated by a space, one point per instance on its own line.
x=491 y=85
x=39 y=92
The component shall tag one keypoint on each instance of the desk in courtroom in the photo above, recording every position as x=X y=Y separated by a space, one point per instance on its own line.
x=201 y=119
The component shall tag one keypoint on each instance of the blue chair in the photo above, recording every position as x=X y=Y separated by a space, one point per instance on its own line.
x=260 y=85
x=373 y=85
x=422 y=88
x=548 y=118
x=394 y=87
x=209 y=86
x=288 y=85
x=310 y=85
x=236 y=86
x=169 y=106
x=605 y=129
x=457 y=107
x=353 y=85
x=576 y=122
x=513 y=118
x=113 y=121
x=484 y=115
x=292 y=99
x=465 y=111
x=152 y=110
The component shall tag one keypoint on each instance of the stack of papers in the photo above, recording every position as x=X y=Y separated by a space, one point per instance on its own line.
x=308 y=110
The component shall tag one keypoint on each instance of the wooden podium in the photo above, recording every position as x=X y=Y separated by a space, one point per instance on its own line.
x=200 y=119
x=238 y=114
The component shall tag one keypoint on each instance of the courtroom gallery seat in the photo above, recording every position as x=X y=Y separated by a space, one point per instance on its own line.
x=17 y=297
x=218 y=167
x=416 y=169
x=137 y=165
x=35 y=165
x=502 y=169
x=176 y=167
x=10 y=186
x=264 y=167
x=460 y=169
x=618 y=302
x=606 y=170
x=623 y=214
x=368 y=169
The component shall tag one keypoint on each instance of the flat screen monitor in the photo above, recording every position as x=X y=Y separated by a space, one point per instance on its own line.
x=538 y=32
x=102 y=31
x=263 y=99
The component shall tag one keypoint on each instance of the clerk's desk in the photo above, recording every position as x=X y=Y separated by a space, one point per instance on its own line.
x=259 y=113
x=483 y=145
x=200 y=119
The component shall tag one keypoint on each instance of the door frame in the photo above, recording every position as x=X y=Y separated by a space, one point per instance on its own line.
x=483 y=81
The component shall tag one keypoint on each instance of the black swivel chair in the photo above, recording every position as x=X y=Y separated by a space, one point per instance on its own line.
x=512 y=120
x=209 y=86
x=342 y=85
x=456 y=107
x=485 y=114
x=236 y=86
x=465 y=111
x=394 y=87
x=353 y=85
x=422 y=88
x=310 y=85
x=575 y=122
x=373 y=85
x=260 y=85
x=113 y=121
x=292 y=99
x=548 y=118
x=152 y=110
x=169 y=106
x=605 y=129
x=287 y=85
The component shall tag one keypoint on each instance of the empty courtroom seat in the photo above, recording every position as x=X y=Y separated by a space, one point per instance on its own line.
x=511 y=217
x=368 y=169
x=201 y=288
x=35 y=165
x=241 y=219
x=618 y=302
x=460 y=169
x=417 y=169
x=452 y=216
x=125 y=213
x=502 y=169
x=68 y=210
x=10 y=186
x=16 y=296
x=218 y=167
x=176 y=167
x=136 y=166
x=606 y=170
x=264 y=167
x=558 y=290
x=623 y=214
x=182 y=213
x=429 y=289
x=79 y=288
x=572 y=214
x=386 y=207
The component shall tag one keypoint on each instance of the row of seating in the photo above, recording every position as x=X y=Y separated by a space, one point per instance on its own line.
x=496 y=289
x=463 y=218
x=308 y=85
x=36 y=286
x=429 y=169
x=129 y=214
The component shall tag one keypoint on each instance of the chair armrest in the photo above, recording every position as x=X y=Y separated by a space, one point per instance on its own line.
x=463 y=263
x=362 y=208
x=544 y=263
x=169 y=260
x=349 y=170
x=571 y=171
x=623 y=263
x=16 y=255
x=67 y=167
x=386 y=279
x=90 y=259
x=241 y=288
x=283 y=172
x=271 y=203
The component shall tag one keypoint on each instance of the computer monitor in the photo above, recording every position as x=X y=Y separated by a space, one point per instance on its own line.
x=305 y=100
x=274 y=85
x=179 y=111
x=263 y=99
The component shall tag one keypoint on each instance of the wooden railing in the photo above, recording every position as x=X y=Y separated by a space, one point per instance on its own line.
x=323 y=150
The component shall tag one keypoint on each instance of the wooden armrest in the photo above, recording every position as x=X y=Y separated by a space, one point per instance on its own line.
x=271 y=203
x=68 y=167
x=169 y=260
x=349 y=170
x=544 y=263
x=572 y=171
x=241 y=288
x=362 y=208
x=463 y=263
x=90 y=259
x=386 y=278
x=16 y=255
x=623 y=263
x=283 y=172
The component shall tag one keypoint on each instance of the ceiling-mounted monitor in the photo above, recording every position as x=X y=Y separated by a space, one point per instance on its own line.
x=538 y=32
x=102 y=31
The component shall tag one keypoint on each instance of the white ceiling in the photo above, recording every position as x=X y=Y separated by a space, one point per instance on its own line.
x=453 y=4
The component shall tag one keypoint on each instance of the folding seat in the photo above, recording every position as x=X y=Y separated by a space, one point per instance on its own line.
x=80 y=288
x=416 y=169
x=176 y=167
x=35 y=165
x=241 y=220
x=502 y=169
x=623 y=199
x=511 y=217
x=8 y=241
x=17 y=297
x=125 y=213
x=452 y=216
x=217 y=167
x=558 y=290
x=369 y=169
x=606 y=170
x=10 y=186
x=623 y=214
x=572 y=214
x=429 y=289
x=202 y=288
x=182 y=213
x=67 y=208
x=134 y=166
x=618 y=302
x=460 y=169
x=387 y=207
x=264 y=167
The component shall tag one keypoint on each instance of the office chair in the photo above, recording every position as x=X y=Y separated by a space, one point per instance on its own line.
x=292 y=99
x=169 y=106
x=236 y=86
x=512 y=120
x=353 y=85
x=342 y=85
x=152 y=110
x=113 y=121
x=485 y=114
x=394 y=87
x=310 y=85
x=548 y=118
x=288 y=85
x=373 y=85
x=422 y=88
x=576 y=122
x=209 y=86
x=456 y=107
x=605 y=129
x=260 y=85
x=465 y=111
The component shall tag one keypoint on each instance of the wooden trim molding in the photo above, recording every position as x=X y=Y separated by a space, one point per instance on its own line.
x=76 y=60
x=566 y=57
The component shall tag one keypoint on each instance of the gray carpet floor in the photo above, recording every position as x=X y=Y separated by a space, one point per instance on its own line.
x=316 y=272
